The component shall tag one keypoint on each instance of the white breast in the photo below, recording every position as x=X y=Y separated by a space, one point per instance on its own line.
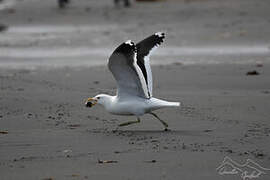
x=132 y=106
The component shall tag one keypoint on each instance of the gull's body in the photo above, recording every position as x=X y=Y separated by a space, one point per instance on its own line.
x=130 y=66
x=134 y=105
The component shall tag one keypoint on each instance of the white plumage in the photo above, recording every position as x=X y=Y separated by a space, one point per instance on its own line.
x=130 y=66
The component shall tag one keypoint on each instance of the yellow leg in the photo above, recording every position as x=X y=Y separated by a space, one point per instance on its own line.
x=163 y=122
x=130 y=122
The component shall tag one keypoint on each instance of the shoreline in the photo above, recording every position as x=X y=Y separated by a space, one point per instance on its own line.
x=156 y=60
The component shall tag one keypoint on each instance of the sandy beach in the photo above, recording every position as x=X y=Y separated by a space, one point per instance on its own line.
x=52 y=134
x=47 y=133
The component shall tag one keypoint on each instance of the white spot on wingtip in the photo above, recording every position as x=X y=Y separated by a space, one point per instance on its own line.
x=130 y=43
x=160 y=34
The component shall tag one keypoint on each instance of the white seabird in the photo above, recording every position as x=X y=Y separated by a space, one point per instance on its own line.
x=130 y=66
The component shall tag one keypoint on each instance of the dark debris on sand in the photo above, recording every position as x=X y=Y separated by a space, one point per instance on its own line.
x=106 y=161
x=251 y=73
x=3 y=27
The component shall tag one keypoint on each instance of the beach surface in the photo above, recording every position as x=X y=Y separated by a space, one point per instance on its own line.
x=52 y=60
x=51 y=134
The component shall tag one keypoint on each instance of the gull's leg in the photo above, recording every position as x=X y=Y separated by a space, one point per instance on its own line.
x=163 y=122
x=130 y=122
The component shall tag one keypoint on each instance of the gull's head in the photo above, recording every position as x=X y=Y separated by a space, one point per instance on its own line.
x=98 y=99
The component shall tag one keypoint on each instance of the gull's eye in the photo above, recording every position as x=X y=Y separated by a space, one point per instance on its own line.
x=98 y=97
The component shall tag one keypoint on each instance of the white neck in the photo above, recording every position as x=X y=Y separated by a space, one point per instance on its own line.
x=106 y=100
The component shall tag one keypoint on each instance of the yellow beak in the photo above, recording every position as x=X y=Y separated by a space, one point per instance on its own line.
x=90 y=102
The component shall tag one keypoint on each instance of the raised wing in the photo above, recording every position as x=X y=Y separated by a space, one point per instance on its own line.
x=128 y=75
x=144 y=50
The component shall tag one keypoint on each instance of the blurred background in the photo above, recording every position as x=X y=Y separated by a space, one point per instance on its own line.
x=57 y=33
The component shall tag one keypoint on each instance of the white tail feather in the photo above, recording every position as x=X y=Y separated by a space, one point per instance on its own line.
x=172 y=104
x=158 y=103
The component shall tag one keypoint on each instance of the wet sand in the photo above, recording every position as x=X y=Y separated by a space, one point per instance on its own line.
x=85 y=33
x=46 y=132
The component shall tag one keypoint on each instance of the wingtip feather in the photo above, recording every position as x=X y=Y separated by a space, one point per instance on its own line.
x=129 y=42
x=160 y=34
